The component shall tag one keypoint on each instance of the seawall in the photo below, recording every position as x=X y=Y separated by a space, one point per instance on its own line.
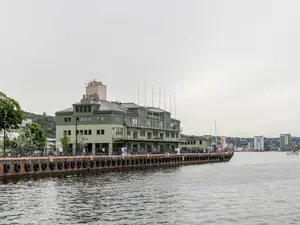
x=14 y=167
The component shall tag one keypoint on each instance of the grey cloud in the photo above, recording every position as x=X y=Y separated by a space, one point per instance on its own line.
x=232 y=61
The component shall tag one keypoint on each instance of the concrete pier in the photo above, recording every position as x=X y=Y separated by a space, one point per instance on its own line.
x=12 y=167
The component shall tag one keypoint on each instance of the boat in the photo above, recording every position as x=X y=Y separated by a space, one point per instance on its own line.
x=293 y=153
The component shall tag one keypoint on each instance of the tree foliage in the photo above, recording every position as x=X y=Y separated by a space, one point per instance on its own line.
x=46 y=122
x=82 y=142
x=11 y=113
x=65 y=141
x=35 y=136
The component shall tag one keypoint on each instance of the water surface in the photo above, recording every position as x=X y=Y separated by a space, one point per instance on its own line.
x=253 y=188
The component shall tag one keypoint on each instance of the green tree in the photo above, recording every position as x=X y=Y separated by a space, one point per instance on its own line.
x=14 y=143
x=65 y=141
x=35 y=136
x=82 y=142
x=11 y=113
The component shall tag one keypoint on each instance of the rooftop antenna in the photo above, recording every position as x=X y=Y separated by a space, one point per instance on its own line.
x=216 y=134
x=170 y=102
x=145 y=100
x=164 y=99
x=152 y=106
x=145 y=96
x=138 y=92
x=174 y=106
x=159 y=98
x=152 y=95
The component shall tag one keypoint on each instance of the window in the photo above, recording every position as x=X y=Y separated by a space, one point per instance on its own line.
x=69 y=132
x=65 y=132
x=142 y=133
x=89 y=108
x=100 y=118
x=85 y=132
x=100 y=132
x=90 y=132
x=81 y=132
x=76 y=108
x=77 y=132
x=81 y=108
x=134 y=122
x=67 y=119
x=119 y=131
x=85 y=108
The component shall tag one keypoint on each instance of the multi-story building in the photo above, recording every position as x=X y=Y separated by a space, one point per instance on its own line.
x=195 y=143
x=259 y=143
x=106 y=126
x=285 y=142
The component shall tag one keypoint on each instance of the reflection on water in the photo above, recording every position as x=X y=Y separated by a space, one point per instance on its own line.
x=254 y=188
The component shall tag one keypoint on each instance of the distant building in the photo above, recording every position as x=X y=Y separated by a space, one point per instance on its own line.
x=259 y=143
x=250 y=146
x=10 y=135
x=285 y=142
x=195 y=143
x=26 y=122
x=230 y=146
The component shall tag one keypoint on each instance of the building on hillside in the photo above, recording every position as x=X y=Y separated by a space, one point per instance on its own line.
x=10 y=135
x=191 y=143
x=285 y=142
x=106 y=126
x=26 y=122
x=259 y=143
x=250 y=146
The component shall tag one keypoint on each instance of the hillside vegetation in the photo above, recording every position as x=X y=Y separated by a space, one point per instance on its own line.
x=46 y=122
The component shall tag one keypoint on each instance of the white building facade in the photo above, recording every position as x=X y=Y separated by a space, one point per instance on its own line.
x=259 y=143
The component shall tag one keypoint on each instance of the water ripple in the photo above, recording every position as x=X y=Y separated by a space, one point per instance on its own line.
x=254 y=188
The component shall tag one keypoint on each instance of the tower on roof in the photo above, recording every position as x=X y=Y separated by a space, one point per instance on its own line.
x=96 y=88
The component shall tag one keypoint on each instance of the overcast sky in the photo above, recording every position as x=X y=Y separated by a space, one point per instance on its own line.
x=232 y=61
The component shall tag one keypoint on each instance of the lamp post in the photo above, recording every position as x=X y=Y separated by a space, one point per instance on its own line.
x=46 y=144
x=76 y=150
x=4 y=138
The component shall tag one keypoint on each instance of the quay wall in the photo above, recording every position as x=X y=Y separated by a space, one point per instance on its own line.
x=13 y=167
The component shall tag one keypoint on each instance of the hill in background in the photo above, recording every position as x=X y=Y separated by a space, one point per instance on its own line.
x=46 y=122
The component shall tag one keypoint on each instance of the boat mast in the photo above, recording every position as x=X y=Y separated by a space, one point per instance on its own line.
x=216 y=135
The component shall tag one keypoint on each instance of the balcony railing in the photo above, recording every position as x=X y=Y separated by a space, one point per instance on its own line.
x=145 y=138
x=153 y=127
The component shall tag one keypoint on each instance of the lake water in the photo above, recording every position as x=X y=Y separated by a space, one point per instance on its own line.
x=253 y=188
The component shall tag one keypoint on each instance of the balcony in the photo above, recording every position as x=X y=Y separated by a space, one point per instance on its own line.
x=145 y=138
x=147 y=126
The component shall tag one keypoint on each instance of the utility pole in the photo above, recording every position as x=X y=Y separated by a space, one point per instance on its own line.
x=4 y=133
x=76 y=150
x=46 y=144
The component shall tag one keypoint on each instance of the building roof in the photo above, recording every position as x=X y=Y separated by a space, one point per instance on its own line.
x=103 y=106
x=130 y=105
x=116 y=106
x=67 y=110
x=194 y=137
x=155 y=110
